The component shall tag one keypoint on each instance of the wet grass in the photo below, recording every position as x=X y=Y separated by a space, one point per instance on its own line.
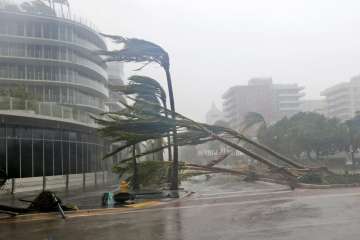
x=315 y=178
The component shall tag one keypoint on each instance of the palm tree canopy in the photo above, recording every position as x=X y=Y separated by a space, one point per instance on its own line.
x=136 y=50
x=144 y=88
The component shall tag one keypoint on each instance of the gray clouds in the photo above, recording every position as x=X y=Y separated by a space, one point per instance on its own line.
x=217 y=44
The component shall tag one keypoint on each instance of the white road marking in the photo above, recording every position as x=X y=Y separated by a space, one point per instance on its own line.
x=249 y=191
x=240 y=195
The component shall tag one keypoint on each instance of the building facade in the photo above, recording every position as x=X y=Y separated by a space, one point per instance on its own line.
x=343 y=99
x=273 y=101
x=116 y=76
x=51 y=82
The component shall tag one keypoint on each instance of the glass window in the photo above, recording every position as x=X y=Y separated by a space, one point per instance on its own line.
x=37 y=133
x=47 y=73
x=13 y=158
x=66 y=157
x=4 y=70
x=3 y=28
x=26 y=158
x=63 y=53
x=54 y=31
x=64 y=95
x=38 y=73
x=30 y=72
x=63 y=74
x=57 y=157
x=21 y=72
x=62 y=31
x=56 y=74
x=38 y=158
x=29 y=29
x=55 y=97
x=47 y=52
x=12 y=28
x=73 y=158
x=4 y=49
x=20 y=29
x=49 y=157
x=71 y=55
x=21 y=132
x=47 y=30
x=79 y=158
x=70 y=34
x=71 y=96
x=37 y=30
x=2 y=148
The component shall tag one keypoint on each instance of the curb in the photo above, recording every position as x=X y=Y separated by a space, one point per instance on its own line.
x=77 y=214
x=311 y=186
x=89 y=212
x=318 y=186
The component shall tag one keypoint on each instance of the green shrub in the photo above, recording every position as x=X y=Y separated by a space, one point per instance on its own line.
x=311 y=178
x=151 y=174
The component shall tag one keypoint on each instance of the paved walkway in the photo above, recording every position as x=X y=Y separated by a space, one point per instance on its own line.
x=83 y=198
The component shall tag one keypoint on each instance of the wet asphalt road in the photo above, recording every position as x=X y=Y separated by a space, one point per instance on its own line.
x=221 y=208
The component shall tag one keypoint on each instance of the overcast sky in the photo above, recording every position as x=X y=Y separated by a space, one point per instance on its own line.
x=214 y=45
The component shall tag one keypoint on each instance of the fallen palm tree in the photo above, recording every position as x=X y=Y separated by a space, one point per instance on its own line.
x=135 y=125
x=191 y=166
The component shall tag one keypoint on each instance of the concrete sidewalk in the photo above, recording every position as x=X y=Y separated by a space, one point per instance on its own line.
x=83 y=198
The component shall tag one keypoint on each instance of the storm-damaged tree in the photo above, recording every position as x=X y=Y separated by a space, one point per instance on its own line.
x=143 y=90
x=141 y=51
x=138 y=126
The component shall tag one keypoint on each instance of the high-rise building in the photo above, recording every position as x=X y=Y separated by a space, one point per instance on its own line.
x=51 y=84
x=273 y=101
x=343 y=99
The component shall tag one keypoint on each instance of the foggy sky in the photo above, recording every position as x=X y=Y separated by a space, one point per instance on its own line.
x=214 y=45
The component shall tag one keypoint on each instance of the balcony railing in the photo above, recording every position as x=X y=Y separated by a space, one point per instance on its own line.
x=77 y=60
x=67 y=17
x=48 y=109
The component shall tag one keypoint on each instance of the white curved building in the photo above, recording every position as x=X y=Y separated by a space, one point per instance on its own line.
x=51 y=81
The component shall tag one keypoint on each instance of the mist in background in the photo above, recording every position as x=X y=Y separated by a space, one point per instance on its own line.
x=214 y=45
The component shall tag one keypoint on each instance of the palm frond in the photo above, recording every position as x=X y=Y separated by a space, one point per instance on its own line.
x=135 y=50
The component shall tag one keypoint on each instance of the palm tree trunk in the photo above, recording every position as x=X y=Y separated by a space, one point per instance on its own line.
x=174 y=185
x=135 y=168
x=169 y=136
x=272 y=152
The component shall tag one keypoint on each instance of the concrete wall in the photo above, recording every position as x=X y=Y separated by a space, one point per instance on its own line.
x=58 y=183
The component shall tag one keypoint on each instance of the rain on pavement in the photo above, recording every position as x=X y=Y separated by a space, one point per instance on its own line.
x=221 y=208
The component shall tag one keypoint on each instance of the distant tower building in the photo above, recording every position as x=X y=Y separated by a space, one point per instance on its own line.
x=273 y=101
x=213 y=115
x=343 y=99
